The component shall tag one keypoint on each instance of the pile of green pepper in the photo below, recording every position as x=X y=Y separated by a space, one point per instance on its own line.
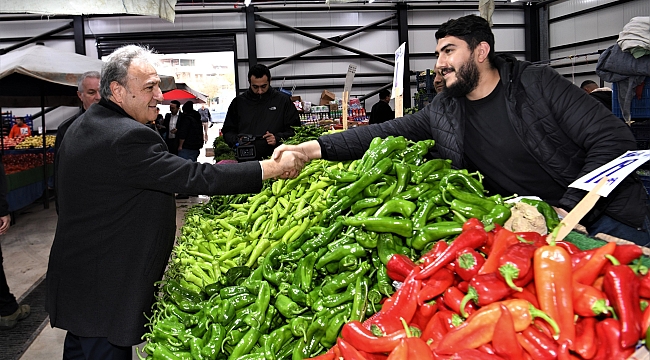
x=275 y=275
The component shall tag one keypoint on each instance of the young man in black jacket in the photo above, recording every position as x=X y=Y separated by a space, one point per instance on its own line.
x=261 y=112
x=526 y=128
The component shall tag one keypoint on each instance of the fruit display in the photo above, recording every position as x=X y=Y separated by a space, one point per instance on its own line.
x=14 y=163
x=36 y=142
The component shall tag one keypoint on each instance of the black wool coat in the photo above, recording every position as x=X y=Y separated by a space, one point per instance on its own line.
x=117 y=220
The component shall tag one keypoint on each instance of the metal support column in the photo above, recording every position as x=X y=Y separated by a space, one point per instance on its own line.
x=250 y=36
x=79 y=34
x=403 y=37
x=544 y=42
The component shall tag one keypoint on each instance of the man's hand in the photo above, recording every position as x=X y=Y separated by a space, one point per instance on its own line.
x=311 y=149
x=270 y=138
x=173 y=131
x=287 y=165
x=4 y=224
x=205 y=138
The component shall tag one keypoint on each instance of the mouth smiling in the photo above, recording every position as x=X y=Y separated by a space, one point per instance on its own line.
x=445 y=71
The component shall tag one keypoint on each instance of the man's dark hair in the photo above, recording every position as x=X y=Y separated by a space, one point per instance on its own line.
x=176 y=102
x=259 y=71
x=383 y=94
x=472 y=29
x=188 y=106
x=587 y=82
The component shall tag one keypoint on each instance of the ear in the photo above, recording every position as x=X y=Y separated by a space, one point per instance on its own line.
x=482 y=50
x=118 y=92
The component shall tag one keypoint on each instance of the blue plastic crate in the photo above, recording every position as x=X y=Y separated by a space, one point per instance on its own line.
x=639 y=109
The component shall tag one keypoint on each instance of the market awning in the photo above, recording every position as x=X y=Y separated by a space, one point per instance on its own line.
x=163 y=9
x=184 y=93
x=38 y=71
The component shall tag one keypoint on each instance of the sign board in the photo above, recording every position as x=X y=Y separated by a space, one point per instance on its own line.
x=349 y=77
x=398 y=72
x=615 y=171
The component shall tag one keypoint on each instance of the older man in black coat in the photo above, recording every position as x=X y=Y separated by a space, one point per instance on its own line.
x=112 y=170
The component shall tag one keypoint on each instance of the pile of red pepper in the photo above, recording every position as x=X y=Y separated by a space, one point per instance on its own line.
x=496 y=294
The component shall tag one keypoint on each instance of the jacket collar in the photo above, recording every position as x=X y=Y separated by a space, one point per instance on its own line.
x=253 y=96
x=113 y=107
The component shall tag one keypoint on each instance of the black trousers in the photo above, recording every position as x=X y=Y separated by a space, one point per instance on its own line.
x=93 y=348
x=8 y=304
x=172 y=145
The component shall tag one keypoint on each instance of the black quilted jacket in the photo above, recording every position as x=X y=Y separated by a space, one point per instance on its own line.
x=567 y=131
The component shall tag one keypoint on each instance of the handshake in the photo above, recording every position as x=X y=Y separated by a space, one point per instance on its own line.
x=288 y=160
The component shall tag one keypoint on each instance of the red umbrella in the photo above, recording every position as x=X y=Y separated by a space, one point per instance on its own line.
x=183 y=93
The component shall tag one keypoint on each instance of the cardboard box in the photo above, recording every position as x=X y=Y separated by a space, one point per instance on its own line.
x=326 y=97
x=334 y=107
x=296 y=98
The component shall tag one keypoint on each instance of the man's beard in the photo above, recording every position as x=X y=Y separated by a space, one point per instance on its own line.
x=466 y=80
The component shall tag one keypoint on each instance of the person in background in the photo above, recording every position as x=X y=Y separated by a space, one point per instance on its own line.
x=526 y=128
x=170 y=123
x=261 y=112
x=604 y=94
x=159 y=123
x=10 y=311
x=382 y=111
x=105 y=260
x=438 y=82
x=20 y=129
x=206 y=118
x=88 y=93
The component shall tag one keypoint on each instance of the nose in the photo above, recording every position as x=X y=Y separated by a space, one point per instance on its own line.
x=157 y=93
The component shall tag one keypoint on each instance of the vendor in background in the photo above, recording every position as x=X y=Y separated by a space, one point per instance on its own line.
x=261 y=112
x=20 y=129
x=382 y=111
x=526 y=128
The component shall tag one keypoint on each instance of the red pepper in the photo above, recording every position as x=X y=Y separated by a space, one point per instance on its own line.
x=435 y=252
x=424 y=314
x=487 y=348
x=506 y=344
x=571 y=248
x=399 y=267
x=479 y=328
x=625 y=254
x=485 y=249
x=516 y=263
x=503 y=238
x=598 y=284
x=588 y=301
x=588 y=273
x=622 y=288
x=645 y=321
x=468 y=262
x=485 y=289
x=586 y=343
x=552 y=269
x=370 y=356
x=609 y=337
x=473 y=223
x=403 y=305
x=537 y=344
x=327 y=356
x=364 y=340
x=417 y=348
x=644 y=286
x=526 y=294
x=473 y=354
x=436 y=285
x=472 y=238
x=454 y=299
x=348 y=351
x=578 y=260
x=400 y=352
x=532 y=237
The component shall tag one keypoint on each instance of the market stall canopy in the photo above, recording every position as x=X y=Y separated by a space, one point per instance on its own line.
x=163 y=9
x=38 y=71
x=183 y=93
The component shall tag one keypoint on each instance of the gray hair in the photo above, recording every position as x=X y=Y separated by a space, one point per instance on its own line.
x=87 y=74
x=117 y=65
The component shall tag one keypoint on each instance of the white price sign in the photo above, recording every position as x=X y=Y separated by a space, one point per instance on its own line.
x=398 y=72
x=615 y=170
x=349 y=77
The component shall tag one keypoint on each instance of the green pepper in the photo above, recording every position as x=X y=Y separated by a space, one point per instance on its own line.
x=310 y=233
x=365 y=239
x=287 y=307
x=385 y=248
x=162 y=352
x=333 y=329
x=413 y=192
x=345 y=239
x=402 y=227
x=428 y=168
x=323 y=239
x=403 y=173
x=470 y=198
x=552 y=220
x=371 y=191
x=384 y=285
x=436 y=176
x=365 y=203
x=185 y=304
x=360 y=300
x=298 y=296
x=223 y=312
x=242 y=300
x=348 y=263
x=340 y=252
x=437 y=212
x=271 y=265
x=200 y=329
x=342 y=280
x=422 y=214
x=260 y=306
x=299 y=325
x=468 y=210
x=499 y=215
x=315 y=332
x=246 y=343
x=185 y=318
x=213 y=288
x=276 y=340
x=374 y=156
x=436 y=231
x=230 y=291
x=305 y=272
x=342 y=176
x=337 y=299
x=292 y=256
x=370 y=177
x=213 y=346
x=465 y=180
x=400 y=206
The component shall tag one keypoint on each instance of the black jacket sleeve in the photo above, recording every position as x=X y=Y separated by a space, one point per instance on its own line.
x=4 y=206
x=290 y=119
